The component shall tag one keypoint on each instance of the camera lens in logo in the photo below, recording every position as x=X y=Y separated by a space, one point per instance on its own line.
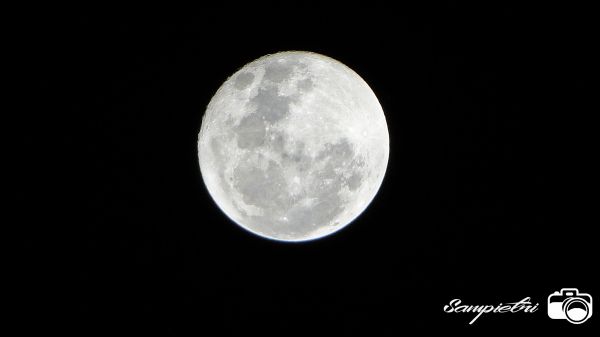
x=576 y=310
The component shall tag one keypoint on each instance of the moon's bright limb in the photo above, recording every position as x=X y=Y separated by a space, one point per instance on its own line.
x=293 y=146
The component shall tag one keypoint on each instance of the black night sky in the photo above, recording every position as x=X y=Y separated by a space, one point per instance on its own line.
x=483 y=199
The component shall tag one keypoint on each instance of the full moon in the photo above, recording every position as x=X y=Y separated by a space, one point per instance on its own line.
x=293 y=146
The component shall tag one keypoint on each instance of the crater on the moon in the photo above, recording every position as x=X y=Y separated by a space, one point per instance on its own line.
x=305 y=85
x=278 y=71
x=270 y=106
x=291 y=200
x=286 y=160
x=243 y=80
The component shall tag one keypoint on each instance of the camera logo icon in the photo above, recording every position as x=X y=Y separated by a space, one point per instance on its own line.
x=571 y=305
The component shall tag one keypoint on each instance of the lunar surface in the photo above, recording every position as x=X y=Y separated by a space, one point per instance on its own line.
x=293 y=146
